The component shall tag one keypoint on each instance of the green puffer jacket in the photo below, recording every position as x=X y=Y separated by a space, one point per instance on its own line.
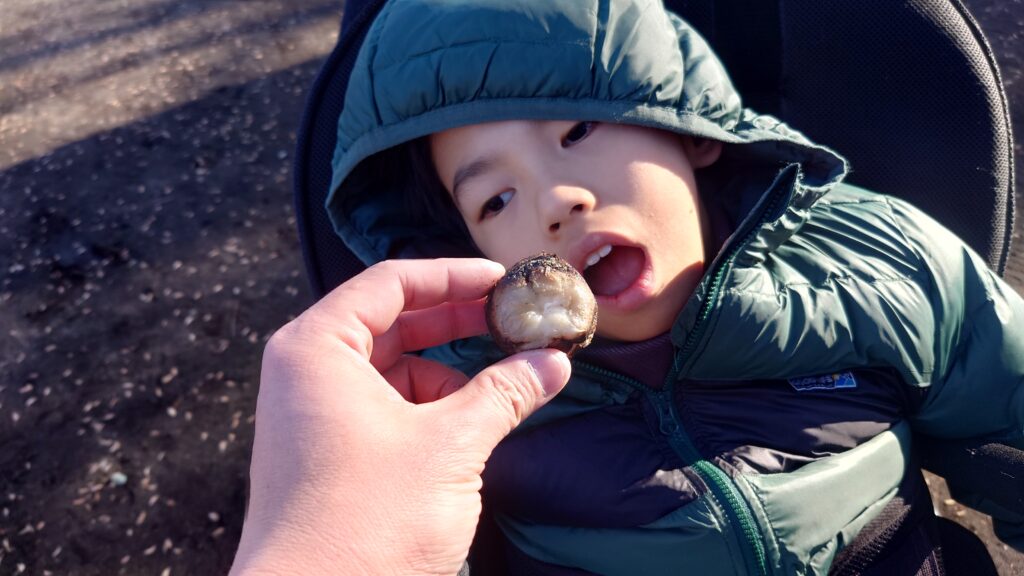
x=819 y=276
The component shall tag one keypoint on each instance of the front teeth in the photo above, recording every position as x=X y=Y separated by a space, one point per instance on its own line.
x=596 y=256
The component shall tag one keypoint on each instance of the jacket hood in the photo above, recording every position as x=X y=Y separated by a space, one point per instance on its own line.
x=427 y=65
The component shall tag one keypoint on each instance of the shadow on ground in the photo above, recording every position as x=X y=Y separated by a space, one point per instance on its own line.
x=99 y=66
x=144 y=269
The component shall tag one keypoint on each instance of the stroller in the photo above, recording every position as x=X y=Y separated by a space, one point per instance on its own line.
x=783 y=56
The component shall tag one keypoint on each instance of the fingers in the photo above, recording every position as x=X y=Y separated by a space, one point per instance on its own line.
x=419 y=380
x=504 y=394
x=420 y=329
x=375 y=298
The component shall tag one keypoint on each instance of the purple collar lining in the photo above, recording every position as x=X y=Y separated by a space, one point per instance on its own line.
x=647 y=361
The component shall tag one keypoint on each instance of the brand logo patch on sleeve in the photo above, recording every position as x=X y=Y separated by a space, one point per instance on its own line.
x=826 y=382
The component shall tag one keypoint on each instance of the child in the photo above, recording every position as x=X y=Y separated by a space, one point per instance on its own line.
x=767 y=332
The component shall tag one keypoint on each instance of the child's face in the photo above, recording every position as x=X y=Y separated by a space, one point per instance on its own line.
x=577 y=188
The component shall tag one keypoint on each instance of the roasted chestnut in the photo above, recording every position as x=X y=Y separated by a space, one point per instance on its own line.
x=541 y=302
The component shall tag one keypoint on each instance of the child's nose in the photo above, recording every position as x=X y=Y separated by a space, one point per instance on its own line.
x=564 y=203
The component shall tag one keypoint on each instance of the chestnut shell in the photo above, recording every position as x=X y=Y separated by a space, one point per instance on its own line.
x=531 y=272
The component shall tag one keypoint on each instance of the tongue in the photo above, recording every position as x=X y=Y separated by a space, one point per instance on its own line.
x=616 y=271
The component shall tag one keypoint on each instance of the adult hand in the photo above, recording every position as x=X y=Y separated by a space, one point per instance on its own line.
x=368 y=460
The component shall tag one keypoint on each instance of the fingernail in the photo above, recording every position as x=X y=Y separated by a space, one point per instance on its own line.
x=498 y=267
x=552 y=368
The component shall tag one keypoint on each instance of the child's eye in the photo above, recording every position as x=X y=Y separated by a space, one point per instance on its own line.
x=577 y=133
x=496 y=204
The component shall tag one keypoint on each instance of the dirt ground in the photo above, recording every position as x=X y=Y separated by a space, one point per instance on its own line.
x=148 y=249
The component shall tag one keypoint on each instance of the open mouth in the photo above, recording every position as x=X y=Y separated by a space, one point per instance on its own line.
x=614 y=269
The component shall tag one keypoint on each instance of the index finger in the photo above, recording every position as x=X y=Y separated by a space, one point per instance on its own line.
x=374 y=298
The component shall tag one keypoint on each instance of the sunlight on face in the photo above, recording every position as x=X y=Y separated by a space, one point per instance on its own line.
x=619 y=202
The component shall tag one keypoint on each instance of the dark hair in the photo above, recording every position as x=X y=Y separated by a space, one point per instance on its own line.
x=428 y=201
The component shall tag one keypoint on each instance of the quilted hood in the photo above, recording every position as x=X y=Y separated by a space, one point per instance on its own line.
x=430 y=65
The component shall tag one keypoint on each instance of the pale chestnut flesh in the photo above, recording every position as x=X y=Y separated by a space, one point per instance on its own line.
x=541 y=302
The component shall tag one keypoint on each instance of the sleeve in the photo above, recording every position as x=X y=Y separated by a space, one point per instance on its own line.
x=977 y=386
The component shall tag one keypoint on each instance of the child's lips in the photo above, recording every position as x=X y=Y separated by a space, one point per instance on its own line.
x=592 y=243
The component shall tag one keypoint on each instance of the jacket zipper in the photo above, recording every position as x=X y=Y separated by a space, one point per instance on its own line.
x=718 y=482
x=721 y=486
x=718 y=272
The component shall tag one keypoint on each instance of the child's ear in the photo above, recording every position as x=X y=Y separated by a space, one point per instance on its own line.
x=702 y=152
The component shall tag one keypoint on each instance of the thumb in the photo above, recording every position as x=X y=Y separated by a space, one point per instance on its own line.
x=500 y=397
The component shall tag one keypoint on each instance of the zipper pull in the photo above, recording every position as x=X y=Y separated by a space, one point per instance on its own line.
x=667 y=424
